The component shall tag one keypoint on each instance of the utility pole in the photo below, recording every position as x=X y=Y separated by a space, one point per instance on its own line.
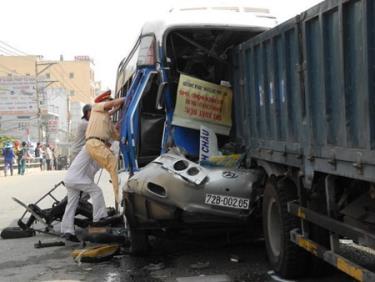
x=37 y=101
x=37 y=91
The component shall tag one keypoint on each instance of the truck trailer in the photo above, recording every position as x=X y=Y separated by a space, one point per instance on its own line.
x=307 y=119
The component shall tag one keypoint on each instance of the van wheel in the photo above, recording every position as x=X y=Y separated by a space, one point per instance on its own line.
x=138 y=239
x=286 y=258
x=138 y=242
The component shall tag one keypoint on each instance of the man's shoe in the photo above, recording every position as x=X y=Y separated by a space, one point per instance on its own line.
x=70 y=237
x=114 y=220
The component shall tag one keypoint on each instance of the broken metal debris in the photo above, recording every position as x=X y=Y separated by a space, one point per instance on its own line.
x=40 y=245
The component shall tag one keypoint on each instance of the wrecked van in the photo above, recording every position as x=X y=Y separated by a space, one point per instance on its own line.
x=177 y=86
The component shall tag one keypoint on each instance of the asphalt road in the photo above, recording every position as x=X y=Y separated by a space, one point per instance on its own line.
x=202 y=258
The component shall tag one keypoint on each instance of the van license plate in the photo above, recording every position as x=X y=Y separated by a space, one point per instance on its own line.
x=227 y=201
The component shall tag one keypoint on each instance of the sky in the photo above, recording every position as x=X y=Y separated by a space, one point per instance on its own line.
x=105 y=30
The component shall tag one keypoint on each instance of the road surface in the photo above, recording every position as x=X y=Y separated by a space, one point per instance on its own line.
x=169 y=260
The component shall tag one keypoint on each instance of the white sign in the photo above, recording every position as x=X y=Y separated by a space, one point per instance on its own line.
x=202 y=102
x=207 y=144
x=18 y=96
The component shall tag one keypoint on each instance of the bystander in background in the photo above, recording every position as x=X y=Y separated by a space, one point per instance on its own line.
x=9 y=156
x=39 y=154
x=49 y=157
x=79 y=137
x=22 y=156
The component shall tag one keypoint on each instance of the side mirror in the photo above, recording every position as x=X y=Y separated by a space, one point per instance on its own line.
x=159 y=98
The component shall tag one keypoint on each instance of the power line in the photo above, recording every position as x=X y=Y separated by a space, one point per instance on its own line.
x=6 y=52
x=65 y=83
x=15 y=49
x=62 y=68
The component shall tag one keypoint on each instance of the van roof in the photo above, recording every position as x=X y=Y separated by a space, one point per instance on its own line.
x=219 y=16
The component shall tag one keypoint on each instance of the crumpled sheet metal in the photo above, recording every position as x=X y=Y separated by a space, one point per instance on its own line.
x=166 y=181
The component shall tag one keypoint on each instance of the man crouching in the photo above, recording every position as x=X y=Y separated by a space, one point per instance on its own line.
x=80 y=178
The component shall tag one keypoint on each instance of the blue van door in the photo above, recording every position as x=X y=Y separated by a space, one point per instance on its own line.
x=142 y=124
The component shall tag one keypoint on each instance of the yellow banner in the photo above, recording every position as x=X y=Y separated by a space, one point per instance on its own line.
x=201 y=102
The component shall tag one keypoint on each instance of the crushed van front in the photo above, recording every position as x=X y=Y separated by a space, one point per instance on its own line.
x=173 y=189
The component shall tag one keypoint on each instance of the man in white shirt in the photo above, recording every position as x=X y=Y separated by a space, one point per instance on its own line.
x=49 y=157
x=80 y=138
x=80 y=178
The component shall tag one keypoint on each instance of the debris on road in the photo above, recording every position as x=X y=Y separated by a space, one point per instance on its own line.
x=154 y=266
x=275 y=277
x=95 y=254
x=206 y=278
x=15 y=233
x=109 y=231
x=40 y=245
x=54 y=213
x=200 y=265
x=234 y=258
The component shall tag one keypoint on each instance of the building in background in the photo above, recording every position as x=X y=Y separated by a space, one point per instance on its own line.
x=41 y=100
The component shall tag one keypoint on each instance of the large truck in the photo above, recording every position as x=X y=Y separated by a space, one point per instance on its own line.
x=303 y=109
x=307 y=90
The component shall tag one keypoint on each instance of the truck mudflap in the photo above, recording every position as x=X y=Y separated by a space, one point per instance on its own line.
x=354 y=270
x=330 y=256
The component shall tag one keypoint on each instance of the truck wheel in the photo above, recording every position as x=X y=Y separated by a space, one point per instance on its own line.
x=286 y=258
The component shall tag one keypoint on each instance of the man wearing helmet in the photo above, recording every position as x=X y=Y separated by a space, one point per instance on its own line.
x=79 y=138
x=100 y=131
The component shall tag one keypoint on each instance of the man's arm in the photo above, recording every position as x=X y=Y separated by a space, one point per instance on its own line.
x=115 y=133
x=117 y=103
x=115 y=109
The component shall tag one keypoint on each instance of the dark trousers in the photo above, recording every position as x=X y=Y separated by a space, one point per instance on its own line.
x=21 y=166
x=8 y=164
x=48 y=164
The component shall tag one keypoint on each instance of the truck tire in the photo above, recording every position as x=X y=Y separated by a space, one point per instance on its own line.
x=287 y=259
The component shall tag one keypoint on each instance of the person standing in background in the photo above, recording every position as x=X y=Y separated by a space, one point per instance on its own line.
x=17 y=148
x=54 y=158
x=9 y=156
x=80 y=138
x=49 y=157
x=22 y=156
x=39 y=154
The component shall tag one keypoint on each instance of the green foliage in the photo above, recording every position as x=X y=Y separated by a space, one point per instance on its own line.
x=5 y=139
